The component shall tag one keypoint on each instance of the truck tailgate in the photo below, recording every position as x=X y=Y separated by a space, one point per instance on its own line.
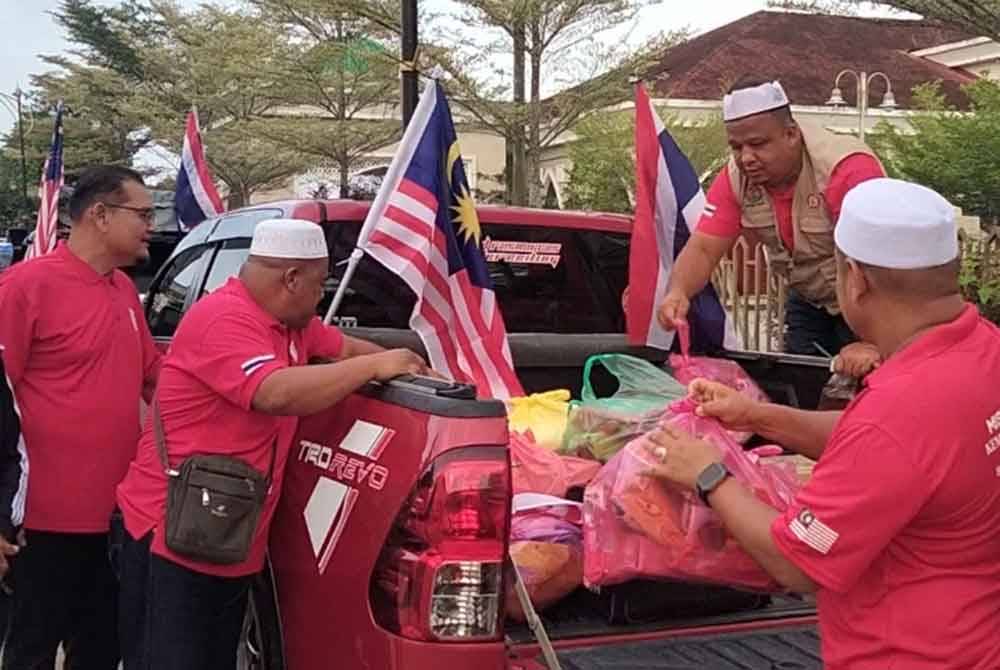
x=785 y=649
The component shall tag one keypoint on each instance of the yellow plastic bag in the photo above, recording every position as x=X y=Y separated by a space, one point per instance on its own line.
x=544 y=414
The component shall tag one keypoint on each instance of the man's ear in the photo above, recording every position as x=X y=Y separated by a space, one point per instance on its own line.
x=858 y=284
x=291 y=278
x=98 y=213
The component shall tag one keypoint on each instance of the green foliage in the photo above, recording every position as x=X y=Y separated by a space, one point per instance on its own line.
x=603 y=173
x=955 y=153
x=980 y=276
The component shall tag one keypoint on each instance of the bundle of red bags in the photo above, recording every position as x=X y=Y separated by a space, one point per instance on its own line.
x=538 y=470
x=636 y=526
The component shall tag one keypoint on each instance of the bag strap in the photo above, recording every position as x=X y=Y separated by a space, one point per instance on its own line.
x=161 y=444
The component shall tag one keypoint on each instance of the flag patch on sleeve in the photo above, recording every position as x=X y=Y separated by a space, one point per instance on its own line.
x=813 y=532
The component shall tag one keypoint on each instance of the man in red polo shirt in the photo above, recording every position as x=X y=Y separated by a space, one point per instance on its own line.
x=783 y=187
x=896 y=531
x=79 y=358
x=234 y=383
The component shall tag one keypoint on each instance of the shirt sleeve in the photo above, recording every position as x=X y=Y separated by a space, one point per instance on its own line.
x=863 y=491
x=323 y=340
x=850 y=172
x=17 y=325
x=723 y=215
x=233 y=356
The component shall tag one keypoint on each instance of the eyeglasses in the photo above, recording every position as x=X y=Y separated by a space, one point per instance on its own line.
x=147 y=214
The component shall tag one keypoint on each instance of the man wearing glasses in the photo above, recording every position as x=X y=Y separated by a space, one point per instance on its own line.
x=79 y=356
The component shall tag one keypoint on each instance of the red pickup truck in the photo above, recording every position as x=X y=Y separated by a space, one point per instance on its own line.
x=389 y=546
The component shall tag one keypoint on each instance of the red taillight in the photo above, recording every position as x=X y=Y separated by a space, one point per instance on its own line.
x=440 y=574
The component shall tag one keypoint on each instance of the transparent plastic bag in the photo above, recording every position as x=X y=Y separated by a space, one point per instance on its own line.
x=636 y=526
x=538 y=470
x=686 y=369
x=546 y=545
x=598 y=427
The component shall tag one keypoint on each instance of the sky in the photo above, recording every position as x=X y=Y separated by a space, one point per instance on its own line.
x=27 y=30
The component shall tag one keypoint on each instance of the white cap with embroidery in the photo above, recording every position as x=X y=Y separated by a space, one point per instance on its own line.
x=744 y=102
x=895 y=224
x=288 y=238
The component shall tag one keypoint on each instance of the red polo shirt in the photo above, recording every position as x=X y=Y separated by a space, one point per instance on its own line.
x=78 y=352
x=726 y=217
x=225 y=347
x=900 y=523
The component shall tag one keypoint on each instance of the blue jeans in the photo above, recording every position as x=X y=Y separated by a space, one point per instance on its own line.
x=808 y=325
x=173 y=618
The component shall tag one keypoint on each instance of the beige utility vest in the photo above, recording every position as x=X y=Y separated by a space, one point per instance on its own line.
x=811 y=268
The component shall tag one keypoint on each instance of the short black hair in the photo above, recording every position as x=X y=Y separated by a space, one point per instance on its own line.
x=784 y=114
x=96 y=182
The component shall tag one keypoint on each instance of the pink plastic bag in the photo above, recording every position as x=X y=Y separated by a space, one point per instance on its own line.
x=687 y=368
x=636 y=526
x=538 y=470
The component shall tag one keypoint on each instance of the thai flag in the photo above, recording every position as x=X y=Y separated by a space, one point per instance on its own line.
x=195 y=198
x=423 y=226
x=668 y=203
x=47 y=224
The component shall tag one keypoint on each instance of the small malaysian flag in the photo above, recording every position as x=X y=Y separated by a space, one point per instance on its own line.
x=813 y=532
x=47 y=226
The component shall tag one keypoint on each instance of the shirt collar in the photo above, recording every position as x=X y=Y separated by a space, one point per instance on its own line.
x=80 y=267
x=929 y=344
x=236 y=287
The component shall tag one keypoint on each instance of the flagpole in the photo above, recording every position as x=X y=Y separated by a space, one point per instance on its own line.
x=392 y=178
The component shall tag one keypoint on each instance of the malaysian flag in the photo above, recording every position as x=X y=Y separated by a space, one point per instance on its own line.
x=668 y=203
x=423 y=226
x=195 y=198
x=47 y=227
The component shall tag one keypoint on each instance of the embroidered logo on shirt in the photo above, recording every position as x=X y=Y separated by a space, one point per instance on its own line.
x=813 y=532
x=135 y=322
x=293 y=352
x=251 y=365
x=813 y=201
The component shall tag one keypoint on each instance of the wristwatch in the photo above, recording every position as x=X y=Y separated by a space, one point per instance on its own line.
x=709 y=480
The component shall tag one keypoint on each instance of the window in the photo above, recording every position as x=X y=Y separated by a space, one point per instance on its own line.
x=227 y=263
x=558 y=280
x=170 y=293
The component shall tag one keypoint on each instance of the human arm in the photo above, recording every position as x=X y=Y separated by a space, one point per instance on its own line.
x=804 y=432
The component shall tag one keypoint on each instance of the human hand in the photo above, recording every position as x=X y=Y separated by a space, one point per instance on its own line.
x=857 y=360
x=8 y=549
x=680 y=457
x=732 y=409
x=673 y=310
x=395 y=362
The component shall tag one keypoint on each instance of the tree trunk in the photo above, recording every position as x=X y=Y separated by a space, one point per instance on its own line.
x=517 y=167
x=534 y=149
x=345 y=179
x=239 y=196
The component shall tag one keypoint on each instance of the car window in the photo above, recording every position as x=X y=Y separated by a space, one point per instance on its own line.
x=166 y=304
x=375 y=297
x=557 y=280
x=227 y=263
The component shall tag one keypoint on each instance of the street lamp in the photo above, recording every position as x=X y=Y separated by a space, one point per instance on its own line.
x=864 y=81
x=12 y=103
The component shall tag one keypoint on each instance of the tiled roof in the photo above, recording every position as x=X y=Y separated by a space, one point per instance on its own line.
x=805 y=52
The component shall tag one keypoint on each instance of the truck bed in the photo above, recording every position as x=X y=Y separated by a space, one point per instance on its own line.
x=787 y=649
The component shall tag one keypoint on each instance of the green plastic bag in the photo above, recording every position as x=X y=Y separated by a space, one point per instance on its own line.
x=599 y=427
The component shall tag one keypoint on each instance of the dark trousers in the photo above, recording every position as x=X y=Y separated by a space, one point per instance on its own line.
x=64 y=592
x=173 y=618
x=808 y=325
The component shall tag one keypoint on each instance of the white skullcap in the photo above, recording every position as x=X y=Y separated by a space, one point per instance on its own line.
x=288 y=238
x=894 y=224
x=744 y=102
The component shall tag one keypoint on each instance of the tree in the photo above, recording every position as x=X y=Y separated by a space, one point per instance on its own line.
x=955 y=153
x=603 y=174
x=838 y=7
x=978 y=17
x=559 y=50
x=341 y=67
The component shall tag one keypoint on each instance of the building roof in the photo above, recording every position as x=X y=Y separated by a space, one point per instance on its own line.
x=805 y=52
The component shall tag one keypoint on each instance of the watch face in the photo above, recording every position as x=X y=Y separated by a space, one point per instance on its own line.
x=711 y=477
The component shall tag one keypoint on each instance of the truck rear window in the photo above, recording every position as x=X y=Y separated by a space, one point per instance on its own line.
x=552 y=280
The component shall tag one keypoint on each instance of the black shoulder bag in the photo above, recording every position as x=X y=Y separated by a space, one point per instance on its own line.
x=213 y=503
